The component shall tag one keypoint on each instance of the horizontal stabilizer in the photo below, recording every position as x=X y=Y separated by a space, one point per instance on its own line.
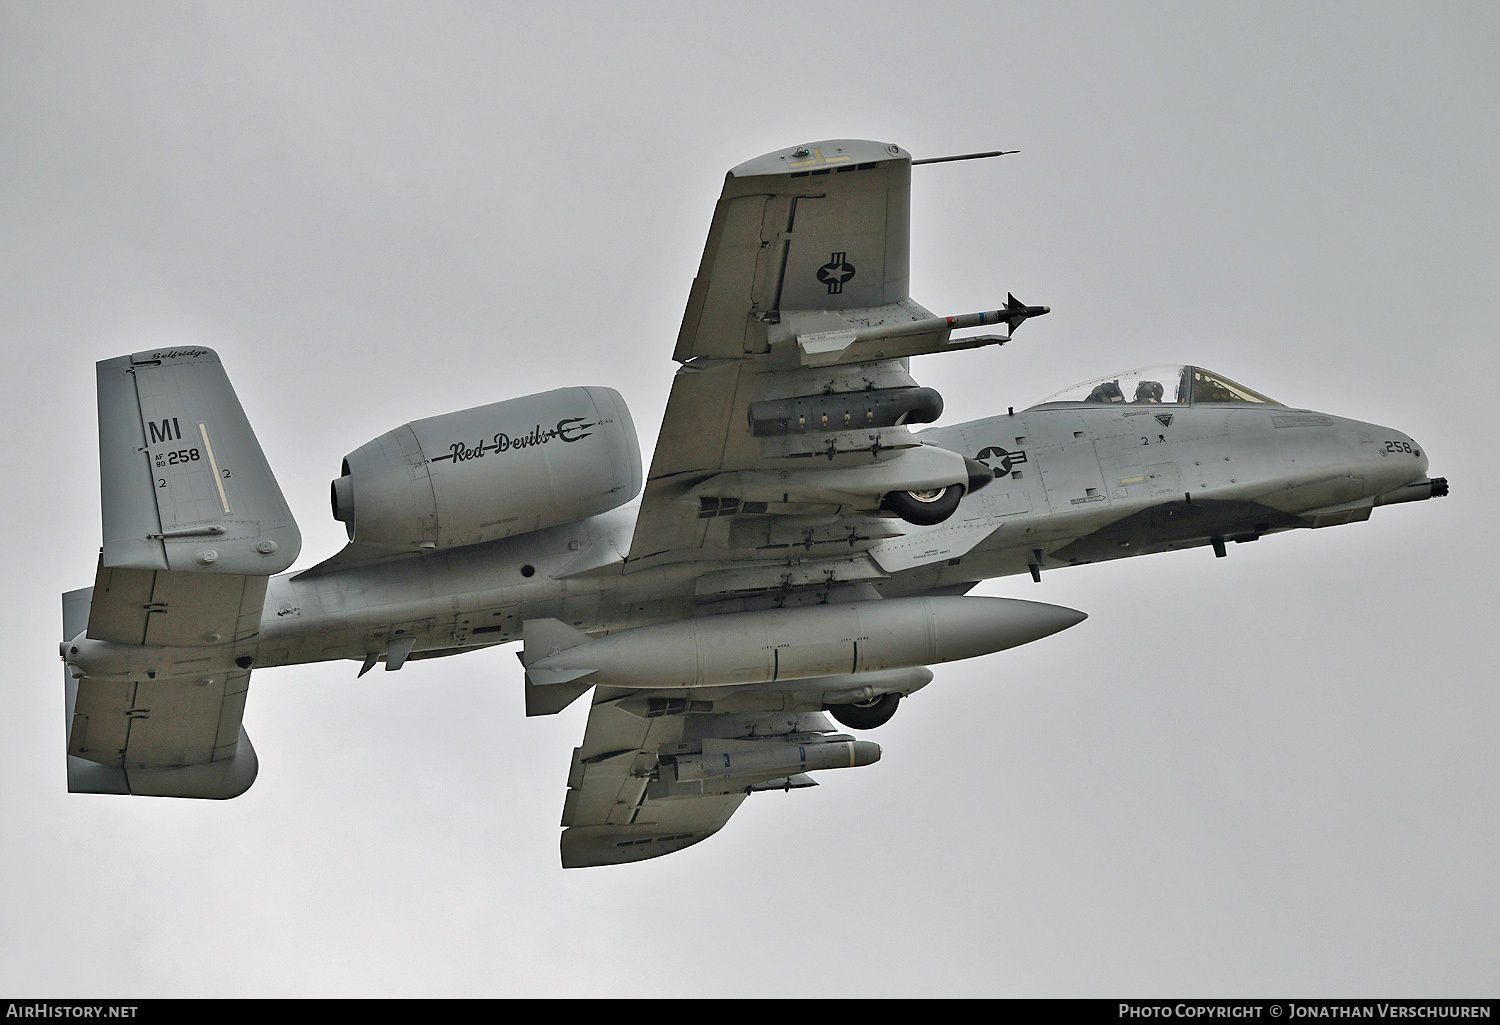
x=171 y=608
x=216 y=781
x=164 y=737
x=184 y=485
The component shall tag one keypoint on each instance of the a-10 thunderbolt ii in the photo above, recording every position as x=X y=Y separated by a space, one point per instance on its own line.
x=798 y=550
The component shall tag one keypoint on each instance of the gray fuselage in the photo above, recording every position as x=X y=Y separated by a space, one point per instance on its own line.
x=1074 y=483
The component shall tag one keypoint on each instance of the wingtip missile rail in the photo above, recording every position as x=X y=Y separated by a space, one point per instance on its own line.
x=902 y=338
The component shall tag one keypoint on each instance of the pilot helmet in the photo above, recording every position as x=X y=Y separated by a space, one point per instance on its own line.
x=1148 y=391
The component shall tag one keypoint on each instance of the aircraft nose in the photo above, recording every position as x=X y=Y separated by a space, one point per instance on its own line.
x=1402 y=475
x=1407 y=453
x=1396 y=460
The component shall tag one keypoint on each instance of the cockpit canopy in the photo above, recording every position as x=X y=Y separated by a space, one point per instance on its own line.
x=1161 y=385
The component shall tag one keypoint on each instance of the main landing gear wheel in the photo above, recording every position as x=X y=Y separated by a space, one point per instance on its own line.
x=868 y=714
x=925 y=508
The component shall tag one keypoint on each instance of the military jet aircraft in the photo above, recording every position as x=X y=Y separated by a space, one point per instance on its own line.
x=799 y=550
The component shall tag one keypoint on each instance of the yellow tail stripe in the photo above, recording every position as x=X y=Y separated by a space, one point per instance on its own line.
x=213 y=463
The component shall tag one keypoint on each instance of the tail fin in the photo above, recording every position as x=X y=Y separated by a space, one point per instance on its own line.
x=194 y=521
x=184 y=484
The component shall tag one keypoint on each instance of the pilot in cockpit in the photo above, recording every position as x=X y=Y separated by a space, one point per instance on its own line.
x=1108 y=391
x=1148 y=391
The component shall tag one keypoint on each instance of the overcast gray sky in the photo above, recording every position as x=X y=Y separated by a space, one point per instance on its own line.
x=1272 y=774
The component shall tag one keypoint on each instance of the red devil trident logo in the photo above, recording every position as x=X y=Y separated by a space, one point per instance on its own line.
x=835 y=272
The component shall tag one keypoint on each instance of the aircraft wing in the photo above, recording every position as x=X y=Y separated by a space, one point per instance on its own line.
x=654 y=776
x=821 y=227
x=779 y=436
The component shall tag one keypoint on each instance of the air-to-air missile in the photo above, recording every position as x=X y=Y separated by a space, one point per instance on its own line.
x=779 y=757
x=789 y=644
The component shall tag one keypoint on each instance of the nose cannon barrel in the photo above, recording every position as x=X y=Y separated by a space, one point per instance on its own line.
x=1417 y=491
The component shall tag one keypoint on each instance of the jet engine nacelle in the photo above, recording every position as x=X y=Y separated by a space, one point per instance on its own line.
x=491 y=471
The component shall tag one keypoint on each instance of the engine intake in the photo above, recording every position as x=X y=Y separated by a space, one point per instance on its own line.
x=492 y=471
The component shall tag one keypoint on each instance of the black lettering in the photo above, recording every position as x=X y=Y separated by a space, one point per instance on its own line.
x=163 y=433
x=570 y=429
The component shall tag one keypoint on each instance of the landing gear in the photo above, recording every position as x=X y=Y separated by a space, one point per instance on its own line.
x=867 y=714
x=925 y=508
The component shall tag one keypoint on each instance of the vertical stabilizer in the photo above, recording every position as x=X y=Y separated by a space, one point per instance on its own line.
x=183 y=482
